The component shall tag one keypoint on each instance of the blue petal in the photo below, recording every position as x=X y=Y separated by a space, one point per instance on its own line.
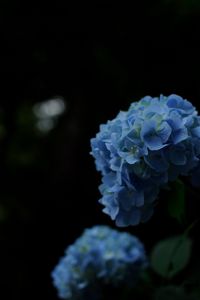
x=164 y=131
x=139 y=198
x=179 y=135
x=128 y=218
x=157 y=161
x=109 y=179
x=155 y=108
x=111 y=206
x=174 y=120
x=132 y=138
x=142 y=170
x=196 y=131
x=154 y=142
x=148 y=127
x=177 y=156
x=131 y=159
x=115 y=163
x=175 y=101
x=153 y=139
x=126 y=199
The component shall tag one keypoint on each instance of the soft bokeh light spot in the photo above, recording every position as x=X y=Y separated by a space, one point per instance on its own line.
x=50 y=108
x=47 y=113
x=45 y=125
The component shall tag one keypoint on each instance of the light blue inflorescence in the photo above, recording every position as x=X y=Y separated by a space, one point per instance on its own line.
x=100 y=256
x=141 y=150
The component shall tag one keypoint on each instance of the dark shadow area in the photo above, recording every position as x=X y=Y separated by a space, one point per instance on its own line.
x=91 y=65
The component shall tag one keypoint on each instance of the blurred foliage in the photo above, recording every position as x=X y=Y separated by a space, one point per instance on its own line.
x=171 y=256
x=176 y=201
x=184 y=6
x=24 y=149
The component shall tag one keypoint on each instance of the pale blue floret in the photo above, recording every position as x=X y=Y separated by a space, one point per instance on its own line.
x=155 y=135
x=154 y=142
x=101 y=256
x=179 y=104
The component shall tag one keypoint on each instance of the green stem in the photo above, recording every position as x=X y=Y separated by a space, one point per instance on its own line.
x=190 y=227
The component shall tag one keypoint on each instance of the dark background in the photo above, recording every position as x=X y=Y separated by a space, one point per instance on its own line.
x=99 y=59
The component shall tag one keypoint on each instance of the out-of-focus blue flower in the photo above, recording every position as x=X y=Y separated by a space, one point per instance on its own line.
x=141 y=150
x=100 y=256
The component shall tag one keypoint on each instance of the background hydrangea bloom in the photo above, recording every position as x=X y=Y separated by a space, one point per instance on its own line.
x=100 y=255
x=141 y=150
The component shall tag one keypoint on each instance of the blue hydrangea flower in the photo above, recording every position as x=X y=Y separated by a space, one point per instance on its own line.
x=100 y=256
x=141 y=150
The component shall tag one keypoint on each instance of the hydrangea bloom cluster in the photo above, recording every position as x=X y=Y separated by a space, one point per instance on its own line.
x=141 y=150
x=100 y=256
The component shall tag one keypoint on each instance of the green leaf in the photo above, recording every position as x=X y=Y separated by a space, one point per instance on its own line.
x=176 y=202
x=171 y=256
